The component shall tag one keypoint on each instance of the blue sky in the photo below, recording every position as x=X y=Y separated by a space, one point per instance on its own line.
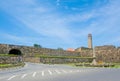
x=59 y=23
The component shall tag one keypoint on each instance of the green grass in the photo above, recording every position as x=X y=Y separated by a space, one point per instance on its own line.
x=4 y=65
x=117 y=65
x=74 y=65
x=7 y=55
x=11 y=65
x=64 y=57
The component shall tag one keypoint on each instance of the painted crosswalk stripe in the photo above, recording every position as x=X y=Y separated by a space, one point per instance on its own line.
x=50 y=72
x=77 y=71
x=43 y=73
x=71 y=71
x=80 y=70
x=64 y=71
x=23 y=76
x=34 y=74
x=58 y=71
x=11 y=77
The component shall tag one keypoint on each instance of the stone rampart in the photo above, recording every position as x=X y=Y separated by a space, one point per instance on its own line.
x=31 y=51
x=108 y=53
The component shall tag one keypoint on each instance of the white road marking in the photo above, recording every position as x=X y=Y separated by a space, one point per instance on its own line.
x=64 y=71
x=34 y=74
x=11 y=77
x=50 y=72
x=23 y=76
x=80 y=70
x=43 y=73
x=58 y=71
x=77 y=71
x=71 y=71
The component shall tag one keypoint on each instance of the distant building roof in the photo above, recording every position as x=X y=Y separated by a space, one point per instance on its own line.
x=70 y=49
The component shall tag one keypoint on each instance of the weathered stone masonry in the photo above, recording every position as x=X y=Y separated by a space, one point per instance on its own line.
x=109 y=54
x=29 y=52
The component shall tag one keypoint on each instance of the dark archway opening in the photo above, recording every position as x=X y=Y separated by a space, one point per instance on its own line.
x=15 y=52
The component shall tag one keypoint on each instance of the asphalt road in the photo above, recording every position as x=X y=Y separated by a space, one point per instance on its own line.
x=41 y=72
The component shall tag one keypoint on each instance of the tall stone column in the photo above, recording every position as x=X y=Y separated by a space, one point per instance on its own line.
x=90 y=41
x=94 y=58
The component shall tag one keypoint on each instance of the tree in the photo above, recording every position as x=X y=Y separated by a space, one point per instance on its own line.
x=60 y=49
x=37 y=46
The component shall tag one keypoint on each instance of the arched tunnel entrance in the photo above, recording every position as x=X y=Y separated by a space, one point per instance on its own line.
x=15 y=52
x=18 y=58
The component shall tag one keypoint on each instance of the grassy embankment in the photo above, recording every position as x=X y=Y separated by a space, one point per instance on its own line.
x=117 y=65
x=7 y=55
x=107 y=65
x=11 y=65
x=62 y=57
x=89 y=59
x=84 y=64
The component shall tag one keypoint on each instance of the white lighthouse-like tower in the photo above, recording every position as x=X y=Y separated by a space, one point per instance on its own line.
x=90 y=41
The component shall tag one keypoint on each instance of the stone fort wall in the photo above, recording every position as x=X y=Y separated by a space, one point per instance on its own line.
x=109 y=54
x=29 y=52
x=106 y=53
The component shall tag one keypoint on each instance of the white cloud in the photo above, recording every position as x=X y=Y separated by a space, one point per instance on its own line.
x=48 y=22
x=57 y=2
x=40 y=19
x=15 y=39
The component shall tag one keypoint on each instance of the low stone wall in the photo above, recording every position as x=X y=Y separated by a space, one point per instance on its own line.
x=109 y=54
x=32 y=59
x=57 y=60
x=10 y=59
